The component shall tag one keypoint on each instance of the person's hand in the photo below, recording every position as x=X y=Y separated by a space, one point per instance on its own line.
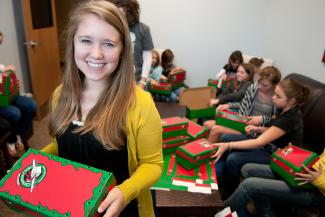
x=255 y=120
x=214 y=102
x=222 y=148
x=223 y=107
x=309 y=176
x=113 y=203
x=154 y=82
x=251 y=129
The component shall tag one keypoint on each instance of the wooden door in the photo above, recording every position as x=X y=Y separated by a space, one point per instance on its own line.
x=42 y=50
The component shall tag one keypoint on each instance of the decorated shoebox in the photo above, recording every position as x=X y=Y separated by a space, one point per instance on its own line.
x=197 y=102
x=45 y=185
x=287 y=161
x=174 y=126
x=223 y=84
x=177 y=84
x=232 y=120
x=9 y=87
x=170 y=144
x=195 y=153
x=162 y=88
x=196 y=131
x=177 y=75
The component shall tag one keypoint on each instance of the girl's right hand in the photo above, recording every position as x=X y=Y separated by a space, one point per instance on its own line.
x=223 y=107
x=222 y=148
x=113 y=203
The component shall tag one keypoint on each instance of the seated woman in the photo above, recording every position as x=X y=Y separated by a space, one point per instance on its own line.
x=20 y=113
x=286 y=128
x=244 y=76
x=263 y=187
x=257 y=104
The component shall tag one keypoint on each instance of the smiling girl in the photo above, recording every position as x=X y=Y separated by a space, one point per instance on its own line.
x=99 y=117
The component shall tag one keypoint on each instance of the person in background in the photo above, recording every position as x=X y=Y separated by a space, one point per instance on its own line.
x=230 y=69
x=257 y=104
x=20 y=114
x=264 y=188
x=257 y=63
x=156 y=70
x=168 y=65
x=285 y=128
x=141 y=39
x=100 y=117
x=244 y=76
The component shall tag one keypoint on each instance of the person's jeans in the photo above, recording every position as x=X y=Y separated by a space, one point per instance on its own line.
x=20 y=113
x=263 y=188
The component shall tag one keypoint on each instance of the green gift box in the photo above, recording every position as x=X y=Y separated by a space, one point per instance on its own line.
x=170 y=144
x=197 y=102
x=177 y=75
x=40 y=184
x=9 y=87
x=162 y=88
x=174 y=126
x=232 y=120
x=195 y=153
x=196 y=131
x=287 y=161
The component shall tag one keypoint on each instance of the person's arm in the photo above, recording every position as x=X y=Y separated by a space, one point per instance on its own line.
x=234 y=96
x=267 y=137
x=146 y=66
x=149 y=152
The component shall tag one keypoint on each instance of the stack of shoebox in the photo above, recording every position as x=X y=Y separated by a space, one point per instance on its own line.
x=194 y=154
x=288 y=161
x=45 y=185
x=9 y=87
x=174 y=133
x=232 y=120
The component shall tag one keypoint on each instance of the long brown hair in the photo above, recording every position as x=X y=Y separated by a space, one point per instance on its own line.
x=295 y=90
x=107 y=119
x=131 y=8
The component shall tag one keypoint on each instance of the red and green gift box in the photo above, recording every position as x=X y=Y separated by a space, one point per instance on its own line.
x=288 y=161
x=196 y=131
x=229 y=82
x=161 y=88
x=232 y=120
x=170 y=144
x=195 y=153
x=174 y=126
x=177 y=75
x=40 y=184
x=9 y=87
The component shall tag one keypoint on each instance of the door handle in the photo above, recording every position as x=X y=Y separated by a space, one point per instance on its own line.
x=32 y=44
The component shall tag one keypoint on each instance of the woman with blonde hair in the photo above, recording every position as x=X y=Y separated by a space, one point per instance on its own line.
x=99 y=116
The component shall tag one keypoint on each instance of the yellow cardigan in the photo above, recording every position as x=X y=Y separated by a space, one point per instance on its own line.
x=320 y=181
x=144 y=146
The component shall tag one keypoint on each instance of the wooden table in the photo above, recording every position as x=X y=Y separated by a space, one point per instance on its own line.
x=181 y=203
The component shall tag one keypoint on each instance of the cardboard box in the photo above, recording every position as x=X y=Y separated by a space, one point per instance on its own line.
x=196 y=131
x=45 y=185
x=9 y=87
x=287 y=161
x=162 y=88
x=194 y=154
x=197 y=102
x=174 y=126
x=232 y=120
x=170 y=144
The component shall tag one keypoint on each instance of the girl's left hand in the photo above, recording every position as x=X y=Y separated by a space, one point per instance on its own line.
x=222 y=148
x=310 y=176
x=113 y=203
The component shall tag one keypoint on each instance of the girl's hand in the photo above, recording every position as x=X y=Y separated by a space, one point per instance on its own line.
x=223 y=107
x=255 y=120
x=222 y=148
x=214 y=102
x=310 y=176
x=251 y=129
x=154 y=82
x=113 y=203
